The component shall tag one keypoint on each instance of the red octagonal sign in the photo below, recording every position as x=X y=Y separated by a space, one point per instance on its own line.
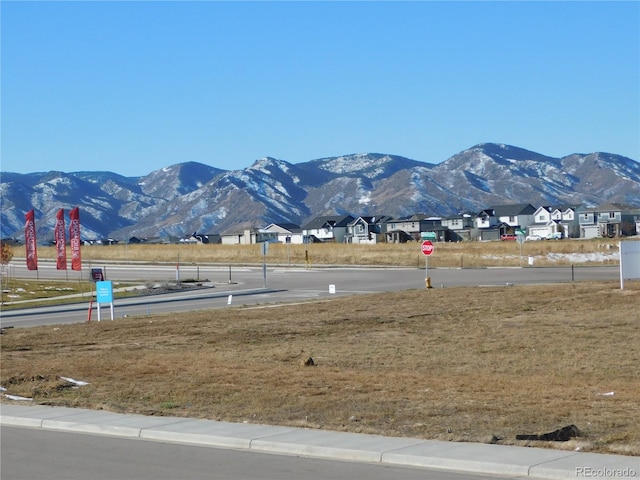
x=427 y=247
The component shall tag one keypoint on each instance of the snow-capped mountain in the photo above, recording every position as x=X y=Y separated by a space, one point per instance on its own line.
x=188 y=197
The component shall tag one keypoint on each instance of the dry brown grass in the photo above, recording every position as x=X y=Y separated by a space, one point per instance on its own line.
x=465 y=254
x=457 y=364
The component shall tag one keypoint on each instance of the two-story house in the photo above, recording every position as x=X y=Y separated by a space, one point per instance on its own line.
x=567 y=216
x=554 y=222
x=367 y=229
x=460 y=227
x=486 y=219
x=495 y=222
x=401 y=230
x=607 y=220
x=327 y=229
x=517 y=216
x=285 y=232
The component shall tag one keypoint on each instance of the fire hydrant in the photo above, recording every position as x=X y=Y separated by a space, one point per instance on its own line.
x=427 y=282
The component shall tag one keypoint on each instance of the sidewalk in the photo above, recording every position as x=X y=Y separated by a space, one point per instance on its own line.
x=466 y=457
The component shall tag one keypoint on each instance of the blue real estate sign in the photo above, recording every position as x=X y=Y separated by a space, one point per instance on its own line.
x=104 y=292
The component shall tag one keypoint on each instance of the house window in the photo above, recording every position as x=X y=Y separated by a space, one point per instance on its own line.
x=585 y=216
x=612 y=214
x=512 y=219
x=360 y=228
x=541 y=218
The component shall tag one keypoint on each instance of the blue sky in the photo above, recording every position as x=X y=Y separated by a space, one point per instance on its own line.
x=132 y=87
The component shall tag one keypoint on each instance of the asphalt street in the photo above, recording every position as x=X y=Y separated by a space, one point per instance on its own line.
x=77 y=456
x=242 y=286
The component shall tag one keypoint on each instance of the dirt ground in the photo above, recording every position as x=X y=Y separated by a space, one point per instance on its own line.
x=461 y=364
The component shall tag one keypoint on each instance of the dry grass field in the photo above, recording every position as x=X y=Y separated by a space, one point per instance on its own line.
x=463 y=254
x=460 y=364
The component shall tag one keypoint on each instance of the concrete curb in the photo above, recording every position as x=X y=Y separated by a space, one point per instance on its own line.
x=485 y=459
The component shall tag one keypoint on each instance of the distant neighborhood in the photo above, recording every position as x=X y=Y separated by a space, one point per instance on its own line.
x=499 y=222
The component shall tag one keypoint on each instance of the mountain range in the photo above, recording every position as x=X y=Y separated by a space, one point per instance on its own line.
x=187 y=197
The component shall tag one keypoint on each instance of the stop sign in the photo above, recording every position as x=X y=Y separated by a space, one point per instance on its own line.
x=427 y=247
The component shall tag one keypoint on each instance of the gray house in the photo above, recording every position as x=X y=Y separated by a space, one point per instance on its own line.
x=458 y=227
x=607 y=220
x=327 y=229
x=402 y=230
x=517 y=216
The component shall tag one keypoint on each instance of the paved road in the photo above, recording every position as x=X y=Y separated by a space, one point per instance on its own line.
x=76 y=456
x=89 y=455
x=247 y=287
x=254 y=275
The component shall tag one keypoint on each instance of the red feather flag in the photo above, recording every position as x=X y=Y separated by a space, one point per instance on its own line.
x=30 y=241
x=74 y=239
x=60 y=237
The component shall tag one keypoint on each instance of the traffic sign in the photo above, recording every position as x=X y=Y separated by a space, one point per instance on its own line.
x=427 y=247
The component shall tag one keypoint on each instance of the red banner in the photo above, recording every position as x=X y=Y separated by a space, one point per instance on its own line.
x=60 y=237
x=74 y=239
x=30 y=241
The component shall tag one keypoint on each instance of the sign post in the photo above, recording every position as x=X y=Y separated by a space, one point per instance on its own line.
x=520 y=238
x=104 y=294
x=264 y=247
x=427 y=250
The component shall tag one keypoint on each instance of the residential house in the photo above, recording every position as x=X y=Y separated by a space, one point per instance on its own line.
x=567 y=216
x=148 y=240
x=548 y=230
x=497 y=221
x=543 y=215
x=554 y=222
x=367 y=230
x=607 y=220
x=487 y=225
x=458 y=227
x=202 y=238
x=518 y=216
x=402 y=230
x=588 y=221
x=486 y=219
x=248 y=236
x=327 y=229
x=362 y=230
x=285 y=232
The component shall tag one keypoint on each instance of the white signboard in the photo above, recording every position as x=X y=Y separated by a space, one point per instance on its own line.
x=629 y=261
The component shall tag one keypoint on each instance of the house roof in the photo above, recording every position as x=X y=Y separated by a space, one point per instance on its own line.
x=367 y=220
x=284 y=227
x=487 y=212
x=545 y=208
x=383 y=219
x=333 y=221
x=608 y=207
x=513 y=210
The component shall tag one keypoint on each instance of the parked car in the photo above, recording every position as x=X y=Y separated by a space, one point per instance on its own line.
x=533 y=238
x=507 y=237
x=555 y=236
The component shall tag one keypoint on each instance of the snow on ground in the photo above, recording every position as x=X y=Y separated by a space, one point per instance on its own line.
x=585 y=257
x=577 y=258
